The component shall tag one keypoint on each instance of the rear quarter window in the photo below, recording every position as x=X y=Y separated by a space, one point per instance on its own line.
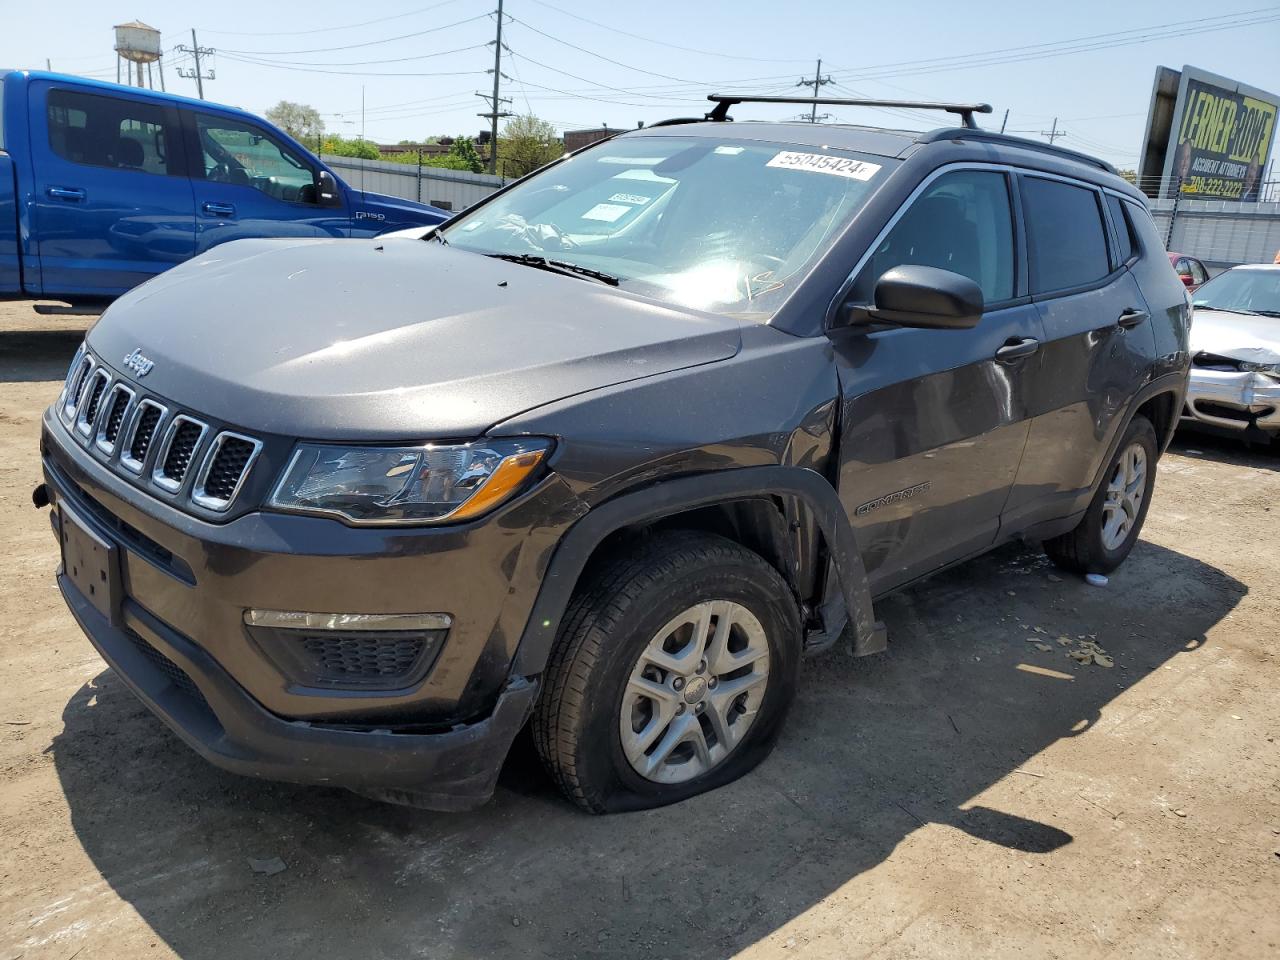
x=1125 y=242
x=1066 y=239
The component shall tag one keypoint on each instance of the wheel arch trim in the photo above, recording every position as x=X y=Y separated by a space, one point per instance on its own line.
x=671 y=497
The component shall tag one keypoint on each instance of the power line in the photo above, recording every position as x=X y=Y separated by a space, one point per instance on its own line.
x=345 y=26
x=817 y=83
x=592 y=53
x=367 y=43
x=664 y=43
x=267 y=62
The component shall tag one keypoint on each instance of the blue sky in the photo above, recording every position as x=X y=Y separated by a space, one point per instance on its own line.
x=576 y=73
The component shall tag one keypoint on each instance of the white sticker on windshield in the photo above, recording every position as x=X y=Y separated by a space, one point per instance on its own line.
x=608 y=212
x=629 y=198
x=729 y=151
x=825 y=163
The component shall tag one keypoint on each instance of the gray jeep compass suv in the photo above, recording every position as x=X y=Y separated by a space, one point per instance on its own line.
x=608 y=452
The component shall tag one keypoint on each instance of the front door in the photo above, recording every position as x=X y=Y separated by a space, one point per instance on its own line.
x=251 y=183
x=934 y=422
x=113 y=204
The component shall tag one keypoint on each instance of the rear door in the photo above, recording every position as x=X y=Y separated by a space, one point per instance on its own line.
x=249 y=182
x=934 y=422
x=113 y=204
x=1099 y=346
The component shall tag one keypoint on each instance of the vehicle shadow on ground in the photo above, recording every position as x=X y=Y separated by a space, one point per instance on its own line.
x=37 y=355
x=874 y=749
x=1236 y=451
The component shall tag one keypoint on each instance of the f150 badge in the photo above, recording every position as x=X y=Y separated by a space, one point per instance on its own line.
x=896 y=497
x=138 y=363
x=369 y=215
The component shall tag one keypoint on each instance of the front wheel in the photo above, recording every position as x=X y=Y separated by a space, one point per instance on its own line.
x=671 y=676
x=1110 y=526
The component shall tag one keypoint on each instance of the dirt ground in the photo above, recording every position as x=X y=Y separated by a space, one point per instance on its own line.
x=967 y=794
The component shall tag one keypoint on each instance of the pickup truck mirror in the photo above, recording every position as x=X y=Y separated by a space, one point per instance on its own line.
x=914 y=295
x=327 y=193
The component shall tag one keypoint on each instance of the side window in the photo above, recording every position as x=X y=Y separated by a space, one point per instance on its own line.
x=1124 y=229
x=1066 y=243
x=963 y=223
x=109 y=132
x=242 y=154
x=1198 y=273
x=1145 y=231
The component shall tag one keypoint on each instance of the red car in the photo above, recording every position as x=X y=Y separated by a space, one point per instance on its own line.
x=1190 y=271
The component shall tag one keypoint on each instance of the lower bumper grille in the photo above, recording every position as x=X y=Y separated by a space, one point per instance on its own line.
x=176 y=675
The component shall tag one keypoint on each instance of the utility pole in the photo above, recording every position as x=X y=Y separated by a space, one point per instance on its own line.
x=198 y=73
x=496 y=100
x=1053 y=134
x=818 y=81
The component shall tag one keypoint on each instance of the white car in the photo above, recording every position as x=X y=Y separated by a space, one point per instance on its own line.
x=1235 y=353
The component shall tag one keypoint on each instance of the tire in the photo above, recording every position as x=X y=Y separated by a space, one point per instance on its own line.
x=1089 y=548
x=608 y=633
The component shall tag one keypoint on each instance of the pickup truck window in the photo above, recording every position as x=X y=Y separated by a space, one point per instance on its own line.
x=246 y=155
x=110 y=132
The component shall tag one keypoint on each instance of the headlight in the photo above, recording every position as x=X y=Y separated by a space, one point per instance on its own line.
x=406 y=484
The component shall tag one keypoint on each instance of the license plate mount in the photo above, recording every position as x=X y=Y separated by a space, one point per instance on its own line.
x=91 y=562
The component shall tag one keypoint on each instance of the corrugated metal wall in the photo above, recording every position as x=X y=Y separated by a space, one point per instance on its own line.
x=1220 y=232
x=451 y=189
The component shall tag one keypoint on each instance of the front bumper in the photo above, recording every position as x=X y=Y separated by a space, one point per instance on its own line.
x=1233 y=400
x=179 y=641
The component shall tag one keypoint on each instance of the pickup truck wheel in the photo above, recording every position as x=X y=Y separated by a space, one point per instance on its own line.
x=671 y=676
x=1111 y=525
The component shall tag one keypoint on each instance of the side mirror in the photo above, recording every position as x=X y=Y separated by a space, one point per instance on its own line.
x=913 y=295
x=327 y=192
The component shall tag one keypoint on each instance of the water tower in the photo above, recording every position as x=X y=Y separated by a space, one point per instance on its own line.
x=138 y=45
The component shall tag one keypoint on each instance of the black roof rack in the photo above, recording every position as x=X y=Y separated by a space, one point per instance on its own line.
x=966 y=110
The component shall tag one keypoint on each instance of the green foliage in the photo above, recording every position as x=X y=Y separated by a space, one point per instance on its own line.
x=341 y=147
x=300 y=121
x=527 y=143
x=462 y=155
x=1130 y=175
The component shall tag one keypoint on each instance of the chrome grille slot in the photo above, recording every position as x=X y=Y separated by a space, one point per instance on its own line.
x=146 y=420
x=90 y=395
x=117 y=406
x=80 y=365
x=180 y=443
x=225 y=468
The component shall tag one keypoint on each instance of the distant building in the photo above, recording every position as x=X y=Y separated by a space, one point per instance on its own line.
x=577 y=139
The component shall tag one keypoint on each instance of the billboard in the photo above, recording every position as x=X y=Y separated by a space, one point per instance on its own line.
x=1208 y=137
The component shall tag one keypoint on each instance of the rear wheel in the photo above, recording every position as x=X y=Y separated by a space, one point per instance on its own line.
x=672 y=674
x=1111 y=525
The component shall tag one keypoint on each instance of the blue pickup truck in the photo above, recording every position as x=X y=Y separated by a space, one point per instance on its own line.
x=103 y=186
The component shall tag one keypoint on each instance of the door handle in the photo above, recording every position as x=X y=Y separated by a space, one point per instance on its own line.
x=1131 y=317
x=73 y=194
x=1016 y=348
x=215 y=209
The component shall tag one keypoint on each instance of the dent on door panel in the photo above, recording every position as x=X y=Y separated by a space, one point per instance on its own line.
x=1093 y=368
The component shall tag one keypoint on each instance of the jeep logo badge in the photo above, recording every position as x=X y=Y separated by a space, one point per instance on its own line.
x=138 y=363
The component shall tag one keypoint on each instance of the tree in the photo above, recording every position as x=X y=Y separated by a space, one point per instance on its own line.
x=297 y=119
x=1130 y=175
x=464 y=151
x=526 y=144
x=339 y=147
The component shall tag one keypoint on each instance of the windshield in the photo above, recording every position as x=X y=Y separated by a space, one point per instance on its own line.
x=730 y=227
x=1244 y=291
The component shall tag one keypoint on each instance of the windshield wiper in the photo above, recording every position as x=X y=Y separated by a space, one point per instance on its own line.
x=563 y=267
x=1267 y=313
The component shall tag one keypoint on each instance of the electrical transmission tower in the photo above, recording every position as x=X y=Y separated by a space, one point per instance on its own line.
x=196 y=73
x=496 y=100
x=817 y=82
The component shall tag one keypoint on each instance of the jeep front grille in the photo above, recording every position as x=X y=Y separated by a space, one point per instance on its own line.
x=117 y=407
x=225 y=467
x=143 y=438
x=91 y=400
x=180 y=442
x=145 y=421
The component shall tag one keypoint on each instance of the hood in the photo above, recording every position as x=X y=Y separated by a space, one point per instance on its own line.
x=1240 y=336
x=366 y=340
x=396 y=211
